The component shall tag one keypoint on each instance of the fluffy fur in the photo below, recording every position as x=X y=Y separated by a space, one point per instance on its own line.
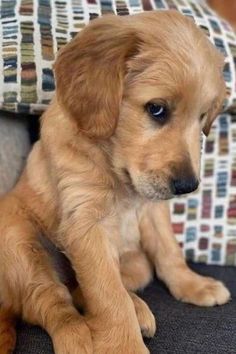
x=97 y=181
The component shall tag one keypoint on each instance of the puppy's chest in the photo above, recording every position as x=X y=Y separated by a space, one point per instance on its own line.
x=128 y=224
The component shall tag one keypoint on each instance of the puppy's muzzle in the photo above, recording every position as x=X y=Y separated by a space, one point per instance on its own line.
x=184 y=185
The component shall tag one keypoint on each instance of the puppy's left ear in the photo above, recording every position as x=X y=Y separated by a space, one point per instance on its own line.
x=89 y=74
x=215 y=109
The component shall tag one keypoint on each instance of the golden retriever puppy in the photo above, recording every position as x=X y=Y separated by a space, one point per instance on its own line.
x=121 y=136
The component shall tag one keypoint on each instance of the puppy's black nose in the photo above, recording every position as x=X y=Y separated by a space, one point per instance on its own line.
x=184 y=185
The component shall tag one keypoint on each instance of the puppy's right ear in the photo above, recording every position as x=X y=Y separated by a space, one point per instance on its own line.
x=215 y=109
x=89 y=74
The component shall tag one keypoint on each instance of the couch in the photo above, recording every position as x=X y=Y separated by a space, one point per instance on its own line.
x=181 y=328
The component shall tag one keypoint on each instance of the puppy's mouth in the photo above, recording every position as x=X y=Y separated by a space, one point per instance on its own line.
x=145 y=188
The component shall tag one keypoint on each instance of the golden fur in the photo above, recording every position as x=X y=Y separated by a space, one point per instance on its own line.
x=226 y=9
x=97 y=180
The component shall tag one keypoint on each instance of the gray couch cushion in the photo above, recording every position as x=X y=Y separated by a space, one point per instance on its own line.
x=182 y=328
x=14 y=149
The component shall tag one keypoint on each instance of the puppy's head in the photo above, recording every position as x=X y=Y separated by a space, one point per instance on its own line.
x=149 y=83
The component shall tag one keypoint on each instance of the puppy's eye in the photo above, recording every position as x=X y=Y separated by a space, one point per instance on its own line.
x=157 y=111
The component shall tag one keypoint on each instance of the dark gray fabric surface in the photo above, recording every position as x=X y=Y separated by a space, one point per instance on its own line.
x=181 y=329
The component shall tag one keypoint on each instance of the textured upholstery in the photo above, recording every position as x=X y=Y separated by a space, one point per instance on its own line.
x=182 y=328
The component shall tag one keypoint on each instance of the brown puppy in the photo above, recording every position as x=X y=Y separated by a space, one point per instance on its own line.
x=122 y=134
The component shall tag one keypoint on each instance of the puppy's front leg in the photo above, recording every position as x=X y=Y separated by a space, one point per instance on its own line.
x=159 y=242
x=111 y=315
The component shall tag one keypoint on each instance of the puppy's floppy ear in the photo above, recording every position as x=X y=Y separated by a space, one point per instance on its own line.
x=215 y=109
x=89 y=74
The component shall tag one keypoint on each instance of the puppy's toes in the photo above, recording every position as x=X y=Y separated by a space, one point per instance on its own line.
x=213 y=293
x=201 y=291
x=145 y=316
x=147 y=323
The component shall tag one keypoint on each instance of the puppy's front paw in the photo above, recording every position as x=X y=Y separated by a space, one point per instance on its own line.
x=119 y=345
x=201 y=291
x=147 y=322
x=124 y=338
x=145 y=316
x=73 y=338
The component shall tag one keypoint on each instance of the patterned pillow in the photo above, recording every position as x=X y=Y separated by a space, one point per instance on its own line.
x=205 y=222
x=32 y=31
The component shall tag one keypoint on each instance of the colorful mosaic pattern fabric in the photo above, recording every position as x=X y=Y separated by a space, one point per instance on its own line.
x=32 y=31
x=205 y=222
